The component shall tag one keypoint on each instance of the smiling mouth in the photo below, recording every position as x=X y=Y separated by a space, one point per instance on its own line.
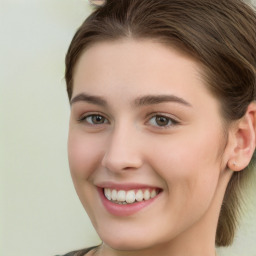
x=130 y=196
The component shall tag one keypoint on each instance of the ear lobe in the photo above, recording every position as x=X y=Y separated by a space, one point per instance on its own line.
x=244 y=140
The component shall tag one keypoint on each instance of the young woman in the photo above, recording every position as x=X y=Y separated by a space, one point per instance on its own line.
x=162 y=125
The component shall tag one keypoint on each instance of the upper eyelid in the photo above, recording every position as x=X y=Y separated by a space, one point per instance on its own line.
x=93 y=113
x=84 y=116
x=174 y=121
x=170 y=116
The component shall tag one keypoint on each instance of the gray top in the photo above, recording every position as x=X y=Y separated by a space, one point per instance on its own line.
x=79 y=252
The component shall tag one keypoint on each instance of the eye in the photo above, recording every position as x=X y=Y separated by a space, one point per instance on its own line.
x=162 y=121
x=94 y=119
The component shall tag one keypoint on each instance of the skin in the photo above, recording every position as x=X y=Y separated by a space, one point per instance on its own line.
x=187 y=155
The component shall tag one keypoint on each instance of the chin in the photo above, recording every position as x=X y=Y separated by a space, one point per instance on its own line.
x=124 y=243
x=127 y=247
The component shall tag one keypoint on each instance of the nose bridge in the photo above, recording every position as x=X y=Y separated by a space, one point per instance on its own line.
x=122 y=149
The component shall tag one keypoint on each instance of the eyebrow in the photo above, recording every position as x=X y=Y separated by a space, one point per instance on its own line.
x=89 y=98
x=140 y=101
x=157 y=99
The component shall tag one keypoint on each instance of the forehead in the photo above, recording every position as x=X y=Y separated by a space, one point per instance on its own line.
x=138 y=67
x=128 y=61
x=128 y=50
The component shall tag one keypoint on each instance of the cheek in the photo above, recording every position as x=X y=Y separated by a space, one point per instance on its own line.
x=84 y=154
x=190 y=165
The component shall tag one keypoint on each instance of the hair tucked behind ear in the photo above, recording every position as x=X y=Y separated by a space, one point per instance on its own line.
x=220 y=34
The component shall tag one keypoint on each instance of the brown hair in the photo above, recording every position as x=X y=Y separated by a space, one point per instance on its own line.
x=220 y=34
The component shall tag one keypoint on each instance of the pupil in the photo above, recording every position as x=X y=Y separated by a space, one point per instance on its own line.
x=98 y=119
x=161 y=121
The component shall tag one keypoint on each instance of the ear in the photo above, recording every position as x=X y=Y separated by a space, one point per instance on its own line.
x=243 y=140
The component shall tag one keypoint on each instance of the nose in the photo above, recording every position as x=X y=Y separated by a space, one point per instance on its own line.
x=122 y=152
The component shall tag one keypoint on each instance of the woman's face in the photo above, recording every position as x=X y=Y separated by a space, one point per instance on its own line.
x=145 y=132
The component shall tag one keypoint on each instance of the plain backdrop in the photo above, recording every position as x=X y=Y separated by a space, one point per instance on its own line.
x=40 y=213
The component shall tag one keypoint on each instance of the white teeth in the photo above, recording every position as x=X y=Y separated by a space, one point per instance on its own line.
x=129 y=197
x=146 y=194
x=107 y=193
x=153 y=193
x=139 y=195
x=121 y=196
x=114 y=195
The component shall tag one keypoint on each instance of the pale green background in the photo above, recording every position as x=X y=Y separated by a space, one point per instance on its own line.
x=40 y=213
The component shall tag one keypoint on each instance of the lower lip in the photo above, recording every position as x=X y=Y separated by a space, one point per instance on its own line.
x=124 y=209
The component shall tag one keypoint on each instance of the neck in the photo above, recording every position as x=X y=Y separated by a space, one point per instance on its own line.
x=161 y=250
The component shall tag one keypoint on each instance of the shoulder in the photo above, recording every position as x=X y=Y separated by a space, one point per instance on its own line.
x=79 y=252
x=73 y=253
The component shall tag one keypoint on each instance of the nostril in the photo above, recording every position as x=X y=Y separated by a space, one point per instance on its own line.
x=128 y=168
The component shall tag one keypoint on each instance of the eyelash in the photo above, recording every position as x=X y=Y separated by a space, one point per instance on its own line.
x=85 y=117
x=170 y=121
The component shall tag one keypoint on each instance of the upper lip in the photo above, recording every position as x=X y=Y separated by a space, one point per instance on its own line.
x=125 y=186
